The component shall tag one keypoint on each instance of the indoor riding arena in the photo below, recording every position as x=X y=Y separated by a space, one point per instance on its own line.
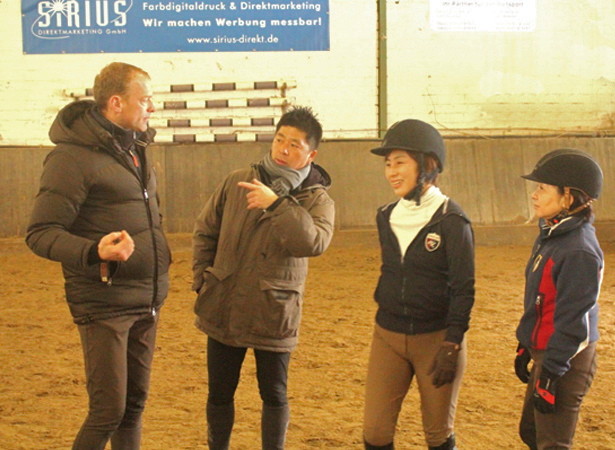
x=504 y=82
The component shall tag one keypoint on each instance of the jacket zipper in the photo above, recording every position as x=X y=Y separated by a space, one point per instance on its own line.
x=403 y=272
x=538 y=308
x=406 y=312
x=145 y=194
x=404 y=282
x=146 y=199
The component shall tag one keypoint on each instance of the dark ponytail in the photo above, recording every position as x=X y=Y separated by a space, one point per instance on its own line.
x=581 y=203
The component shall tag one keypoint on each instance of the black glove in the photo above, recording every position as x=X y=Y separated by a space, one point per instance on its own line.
x=522 y=360
x=544 y=392
x=444 y=366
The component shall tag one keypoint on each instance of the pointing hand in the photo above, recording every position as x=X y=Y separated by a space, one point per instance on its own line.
x=259 y=195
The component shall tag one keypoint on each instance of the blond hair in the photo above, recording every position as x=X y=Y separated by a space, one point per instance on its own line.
x=114 y=79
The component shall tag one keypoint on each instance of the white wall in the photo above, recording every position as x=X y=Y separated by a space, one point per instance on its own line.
x=559 y=77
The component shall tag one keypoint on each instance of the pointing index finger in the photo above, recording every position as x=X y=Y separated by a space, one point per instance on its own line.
x=245 y=184
x=255 y=184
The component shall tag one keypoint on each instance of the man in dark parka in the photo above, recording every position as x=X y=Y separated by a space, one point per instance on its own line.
x=97 y=213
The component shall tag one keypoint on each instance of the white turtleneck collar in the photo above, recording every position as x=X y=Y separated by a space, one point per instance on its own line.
x=407 y=219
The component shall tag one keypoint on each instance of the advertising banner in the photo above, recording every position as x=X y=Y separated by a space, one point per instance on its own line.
x=133 y=26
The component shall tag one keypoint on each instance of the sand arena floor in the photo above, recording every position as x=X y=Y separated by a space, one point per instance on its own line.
x=43 y=400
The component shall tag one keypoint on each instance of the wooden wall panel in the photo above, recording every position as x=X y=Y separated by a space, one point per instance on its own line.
x=483 y=175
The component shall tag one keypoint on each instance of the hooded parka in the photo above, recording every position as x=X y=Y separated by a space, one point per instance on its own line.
x=250 y=265
x=90 y=187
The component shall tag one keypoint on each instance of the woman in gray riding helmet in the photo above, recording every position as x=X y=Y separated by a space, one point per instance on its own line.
x=559 y=326
x=425 y=292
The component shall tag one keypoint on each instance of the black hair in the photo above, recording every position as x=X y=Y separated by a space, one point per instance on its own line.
x=304 y=119
x=429 y=167
x=579 y=198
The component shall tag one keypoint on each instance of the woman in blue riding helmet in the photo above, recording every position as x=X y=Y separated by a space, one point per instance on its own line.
x=424 y=294
x=559 y=326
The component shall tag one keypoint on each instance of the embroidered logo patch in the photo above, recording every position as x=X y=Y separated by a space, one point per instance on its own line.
x=432 y=242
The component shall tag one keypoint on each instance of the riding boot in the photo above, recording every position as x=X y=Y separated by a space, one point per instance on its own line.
x=274 y=422
x=220 y=420
x=369 y=446
x=449 y=444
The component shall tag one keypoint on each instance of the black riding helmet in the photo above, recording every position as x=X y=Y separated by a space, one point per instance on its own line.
x=571 y=168
x=418 y=137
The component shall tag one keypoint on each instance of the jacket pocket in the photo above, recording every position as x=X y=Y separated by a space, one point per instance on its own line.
x=103 y=272
x=279 y=314
x=208 y=305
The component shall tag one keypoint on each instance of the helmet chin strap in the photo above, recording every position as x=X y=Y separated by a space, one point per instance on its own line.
x=415 y=194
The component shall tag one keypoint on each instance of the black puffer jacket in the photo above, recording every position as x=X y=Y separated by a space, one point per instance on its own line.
x=89 y=188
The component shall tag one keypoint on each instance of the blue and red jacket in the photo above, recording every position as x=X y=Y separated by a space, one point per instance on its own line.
x=562 y=285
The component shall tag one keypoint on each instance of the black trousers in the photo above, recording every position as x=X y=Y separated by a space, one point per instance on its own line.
x=224 y=366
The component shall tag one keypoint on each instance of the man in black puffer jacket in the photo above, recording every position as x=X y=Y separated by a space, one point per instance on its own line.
x=97 y=213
